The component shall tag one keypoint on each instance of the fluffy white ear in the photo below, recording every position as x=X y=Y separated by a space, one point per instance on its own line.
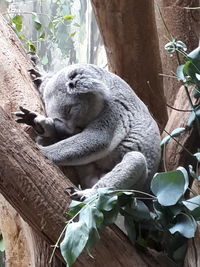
x=85 y=84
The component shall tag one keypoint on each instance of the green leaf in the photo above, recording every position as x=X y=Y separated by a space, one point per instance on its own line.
x=196 y=214
x=195 y=54
x=37 y=23
x=22 y=36
x=111 y=216
x=130 y=228
x=185 y=225
x=169 y=187
x=75 y=207
x=75 y=240
x=92 y=217
x=180 y=74
x=31 y=46
x=181 y=46
x=138 y=210
x=193 y=173
x=68 y=17
x=106 y=202
x=2 y=248
x=94 y=237
x=197 y=155
x=72 y=34
x=17 y=20
x=191 y=119
x=175 y=133
x=51 y=27
x=192 y=203
x=170 y=47
x=42 y=36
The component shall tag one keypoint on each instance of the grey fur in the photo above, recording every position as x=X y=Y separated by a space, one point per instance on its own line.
x=96 y=123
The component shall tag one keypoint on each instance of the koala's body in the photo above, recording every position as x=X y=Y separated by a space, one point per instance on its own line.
x=96 y=123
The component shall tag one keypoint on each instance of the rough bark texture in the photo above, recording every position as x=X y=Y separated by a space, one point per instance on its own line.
x=130 y=38
x=34 y=186
x=184 y=25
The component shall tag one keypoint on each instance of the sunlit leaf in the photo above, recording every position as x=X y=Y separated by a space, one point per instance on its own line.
x=17 y=20
x=68 y=17
x=76 y=237
x=185 y=225
x=2 y=248
x=192 y=203
x=169 y=187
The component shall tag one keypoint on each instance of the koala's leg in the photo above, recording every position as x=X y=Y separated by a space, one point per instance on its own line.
x=130 y=173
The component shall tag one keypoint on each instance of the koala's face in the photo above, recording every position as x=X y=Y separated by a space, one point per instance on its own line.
x=70 y=97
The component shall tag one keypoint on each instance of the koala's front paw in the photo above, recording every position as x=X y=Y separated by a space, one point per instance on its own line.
x=76 y=194
x=26 y=116
x=36 y=77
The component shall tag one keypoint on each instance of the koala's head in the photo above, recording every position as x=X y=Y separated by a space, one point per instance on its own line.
x=75 y=95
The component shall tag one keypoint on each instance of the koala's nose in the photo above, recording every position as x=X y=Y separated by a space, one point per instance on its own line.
x=71 y=85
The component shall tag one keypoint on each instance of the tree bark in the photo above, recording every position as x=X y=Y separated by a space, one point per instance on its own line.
x=184 y=25
x=130 y=37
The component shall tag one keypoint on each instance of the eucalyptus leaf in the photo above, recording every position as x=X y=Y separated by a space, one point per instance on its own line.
x=196 y=214
x=195 y=54
x=192 y=203
x=138 y=210
x=185 y=225
x=17 y=20
x=110 y=217
x=197 y=155
x=192 y=172
x=175 y=133
x=106 y=202
x=130 y=228
x=169 y=187
x=94 y=237
x=2 y=247
x=75 y=240
x=92 y=217
x=191 y=119
x=68 y=17
x=179 y=73
x=75 y=207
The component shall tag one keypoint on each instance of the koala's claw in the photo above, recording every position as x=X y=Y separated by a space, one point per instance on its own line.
x=80 y=195
x=35 y=76
x=26 y=116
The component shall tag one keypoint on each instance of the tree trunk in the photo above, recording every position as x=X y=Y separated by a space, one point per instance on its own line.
x=130 y=38
x=184 y=25
x=34 y=186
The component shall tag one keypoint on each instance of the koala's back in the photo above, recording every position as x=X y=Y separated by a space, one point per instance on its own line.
x=140 y=131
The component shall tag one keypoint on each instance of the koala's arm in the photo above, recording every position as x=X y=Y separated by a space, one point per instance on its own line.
x=91 y=144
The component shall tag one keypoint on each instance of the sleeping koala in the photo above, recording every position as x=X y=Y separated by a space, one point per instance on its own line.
x=98 y=125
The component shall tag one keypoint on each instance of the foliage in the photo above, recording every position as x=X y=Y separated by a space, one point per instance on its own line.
x=2 y=248
x=54 y=29
x=172 y=218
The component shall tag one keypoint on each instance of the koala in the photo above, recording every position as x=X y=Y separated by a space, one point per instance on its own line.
x=97 y=124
